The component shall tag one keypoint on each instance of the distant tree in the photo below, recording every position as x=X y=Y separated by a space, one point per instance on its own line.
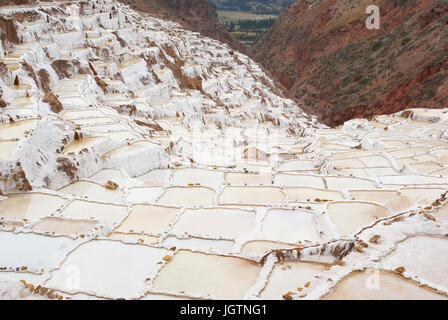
x=232 y=27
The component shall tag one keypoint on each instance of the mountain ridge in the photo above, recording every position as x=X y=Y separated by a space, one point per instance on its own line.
x=332 y=64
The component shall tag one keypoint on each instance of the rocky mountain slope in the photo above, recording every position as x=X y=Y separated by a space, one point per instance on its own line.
x=139 y=160
x=338 y=69
x=195 y=15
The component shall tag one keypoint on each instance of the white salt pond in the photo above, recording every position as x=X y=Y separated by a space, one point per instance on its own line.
x=350 y=216
x=380 y=285
x=103 y=268
x=190 y=272
x=251 y=195
x=216 y=222
x=29 y=206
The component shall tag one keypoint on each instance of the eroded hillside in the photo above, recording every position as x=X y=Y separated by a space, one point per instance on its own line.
x=196 y=15
x=322 y=52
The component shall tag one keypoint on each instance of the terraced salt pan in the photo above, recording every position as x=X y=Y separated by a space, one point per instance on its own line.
x=156 y=178
x=388 y=119
x=251 y=195
x=358 y=173
x=64 y=226
x=32 y=252
x=20 y=87
x=348 y=183
x=418 y=124
x=289 y=226
x=378 y=172
x=7 y=148
x=442 y=172
x=106 y=128
x=17 y=129
x=433 y=133
x=82 y=114
x=404 y=161
x=207 y=275
x=289 y=277
x=30 y=206
x=12 y=66
x=396 y=144
x=441 y=154
x=120 y=136
x=93 y=191
x=412 y=180
x=432 y=265
x=133 y=238
x=263 y=246
x=148 y=219
x=220 y=246
x=218 y=157
x=208 y=178
x=129 y=63
x=78 y=145
x=215 y=223
x=165 y=140
x=442 y=213
x=105 y=175
x=297 y=165
x=426 y=167
x=93 y=121
x=21 y=102
x=295 y=150
x=409 y=152
x=375 y=161
x=407 y=129
x=74 y=103
x=311 y=194
x=422 y=196
x=350 y=216
x=377 y=125
x=389 y=198
x=129 y=157
x=258 y=167
x=187 y=196
x=299 y=180
x=426 y=158
x=358 y=153
x=380 y=285
x=67 y=85
x=111 y=214
x=348 y=163
x=107 y=268
x=154 y=296
x=248 y=178
x=142 y=195
x=130 y=149
x=16 y=277
x=436 y=143
x=334 y=146
x=10 y=225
